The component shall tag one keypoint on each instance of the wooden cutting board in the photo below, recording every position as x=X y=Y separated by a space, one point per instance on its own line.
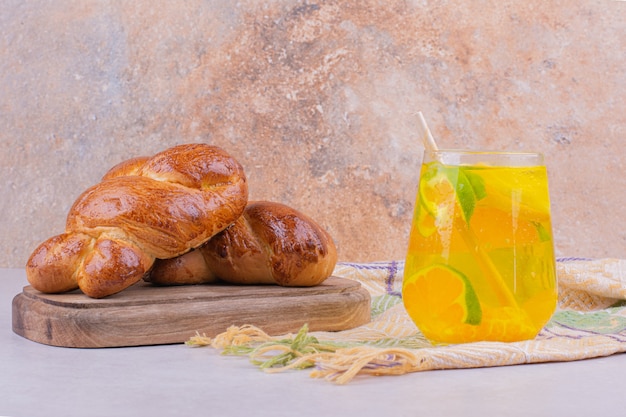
x=148 y=315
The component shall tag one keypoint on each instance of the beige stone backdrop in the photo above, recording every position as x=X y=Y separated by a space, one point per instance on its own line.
x=317 y=100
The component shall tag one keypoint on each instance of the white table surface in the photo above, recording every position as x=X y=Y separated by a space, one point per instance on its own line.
x=176 y=380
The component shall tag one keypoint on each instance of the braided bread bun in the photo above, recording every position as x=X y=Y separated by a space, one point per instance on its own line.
x=270 y=244
x=143 y=209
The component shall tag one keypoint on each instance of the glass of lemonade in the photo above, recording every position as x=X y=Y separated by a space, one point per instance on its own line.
x=480 y=263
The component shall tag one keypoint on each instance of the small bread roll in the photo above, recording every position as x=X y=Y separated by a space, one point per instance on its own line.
x=269 y=244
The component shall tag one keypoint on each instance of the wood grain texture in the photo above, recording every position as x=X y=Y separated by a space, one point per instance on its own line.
x=150 y=315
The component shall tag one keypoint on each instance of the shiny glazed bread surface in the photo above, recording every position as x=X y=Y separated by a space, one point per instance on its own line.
x=143 y=209
x=269 y=244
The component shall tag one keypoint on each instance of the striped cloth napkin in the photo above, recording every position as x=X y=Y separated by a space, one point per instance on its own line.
x=590 y=321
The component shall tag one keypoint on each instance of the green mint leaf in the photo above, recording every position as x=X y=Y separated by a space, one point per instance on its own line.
x=465 y=194
x=477 y=182
x=544 y=235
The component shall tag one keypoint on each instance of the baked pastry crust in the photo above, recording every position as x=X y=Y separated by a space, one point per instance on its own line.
x=270 y=243
x=143 y=209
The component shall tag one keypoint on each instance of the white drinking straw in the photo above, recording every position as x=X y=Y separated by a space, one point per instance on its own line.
x=427 y=137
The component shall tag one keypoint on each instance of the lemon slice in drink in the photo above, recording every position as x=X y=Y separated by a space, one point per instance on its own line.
x=441 y=294
x=444 y=189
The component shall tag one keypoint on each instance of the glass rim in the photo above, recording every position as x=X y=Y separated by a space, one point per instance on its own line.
x=488 y=157
x=483 y=152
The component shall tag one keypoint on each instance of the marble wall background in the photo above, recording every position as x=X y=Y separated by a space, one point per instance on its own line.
x=317 y=100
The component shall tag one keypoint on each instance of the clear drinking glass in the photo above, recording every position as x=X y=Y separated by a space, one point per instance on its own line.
x=480 y=263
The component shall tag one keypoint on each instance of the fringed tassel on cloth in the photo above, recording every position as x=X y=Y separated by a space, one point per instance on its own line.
x=345 y=364
x=232 y=337
x=332 y=361
x=272 y=354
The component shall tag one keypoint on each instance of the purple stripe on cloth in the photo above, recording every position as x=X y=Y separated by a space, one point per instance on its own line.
x=582 y=334
x=370 y=266
x=572 y=259
x=391 y=276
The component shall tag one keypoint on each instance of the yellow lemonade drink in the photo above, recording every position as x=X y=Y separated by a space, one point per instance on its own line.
x=480 y=263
